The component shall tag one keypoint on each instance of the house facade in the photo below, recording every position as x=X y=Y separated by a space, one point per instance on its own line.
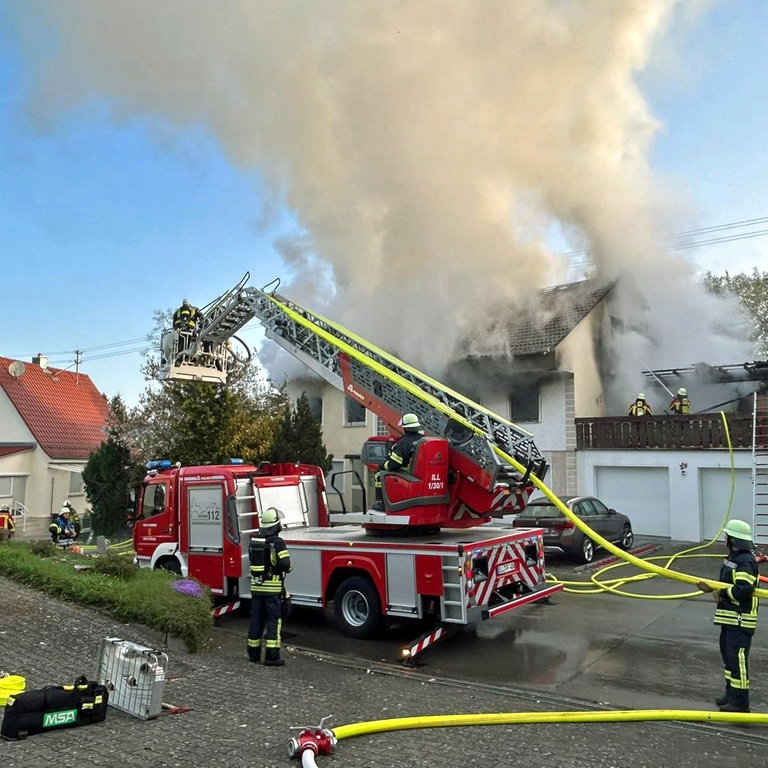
x=50 y=422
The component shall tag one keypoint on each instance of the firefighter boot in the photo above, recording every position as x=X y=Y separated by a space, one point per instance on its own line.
x=272 y=658
x=720 y=700
x=254 y=653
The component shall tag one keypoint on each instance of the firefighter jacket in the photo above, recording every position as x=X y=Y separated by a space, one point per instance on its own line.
x=61 y=527
x=185 y=318
x=680 y=405
x=402 y=452
x=7 y=523
x=737 y=605
x=640 y=408
x=267 y=577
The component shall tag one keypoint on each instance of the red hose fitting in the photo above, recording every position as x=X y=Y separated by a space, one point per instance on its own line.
x=318 y=740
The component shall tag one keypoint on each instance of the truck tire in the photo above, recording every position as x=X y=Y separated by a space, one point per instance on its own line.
x=357 y=607
x=169 y=564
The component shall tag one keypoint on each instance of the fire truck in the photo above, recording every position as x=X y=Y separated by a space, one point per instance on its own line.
x=429 y=554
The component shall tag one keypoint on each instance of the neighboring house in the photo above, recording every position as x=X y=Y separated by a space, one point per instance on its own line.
x=50 y=421
x=543 y=369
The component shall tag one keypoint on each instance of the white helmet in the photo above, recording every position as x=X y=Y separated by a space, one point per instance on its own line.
x=683 y=392
x=410 y=421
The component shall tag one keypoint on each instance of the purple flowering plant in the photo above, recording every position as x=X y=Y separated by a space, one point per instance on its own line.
x=188 y=587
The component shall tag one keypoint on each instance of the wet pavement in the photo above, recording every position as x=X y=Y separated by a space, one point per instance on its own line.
x=586 y=652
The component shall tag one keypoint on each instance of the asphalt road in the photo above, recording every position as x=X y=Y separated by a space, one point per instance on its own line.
x=650 y=651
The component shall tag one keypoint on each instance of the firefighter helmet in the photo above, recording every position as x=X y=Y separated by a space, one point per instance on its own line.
x=683 y=392
x=410 y=421
x=185 y=303
x=738 y=529
x=640 y=396
x=270 y=519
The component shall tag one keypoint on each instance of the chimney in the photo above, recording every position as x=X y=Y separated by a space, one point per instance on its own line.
x=41 y=360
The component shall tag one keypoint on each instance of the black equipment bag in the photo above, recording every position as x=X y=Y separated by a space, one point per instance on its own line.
x=53 y=707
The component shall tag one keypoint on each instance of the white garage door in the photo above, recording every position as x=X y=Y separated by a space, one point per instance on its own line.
x=642 y=493
x=715 y=494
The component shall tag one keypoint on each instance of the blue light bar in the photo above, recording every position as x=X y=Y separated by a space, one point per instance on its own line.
x=158 y=464
x=236 y=461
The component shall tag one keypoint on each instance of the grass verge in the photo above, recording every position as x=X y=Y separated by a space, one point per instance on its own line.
x=113 y=585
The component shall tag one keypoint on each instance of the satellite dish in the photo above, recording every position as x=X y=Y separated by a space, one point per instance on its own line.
x=16 y=369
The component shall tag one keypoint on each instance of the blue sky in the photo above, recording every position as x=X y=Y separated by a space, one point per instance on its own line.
x=108 y=215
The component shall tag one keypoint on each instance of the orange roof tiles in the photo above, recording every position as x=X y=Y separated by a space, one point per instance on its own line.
x=62 y=409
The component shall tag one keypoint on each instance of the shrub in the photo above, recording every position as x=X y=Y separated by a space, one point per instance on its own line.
x=115 y=565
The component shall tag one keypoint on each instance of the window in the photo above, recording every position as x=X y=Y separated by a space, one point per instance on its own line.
x=154 y=501
x=381 y=427
x=354 y=413
x=316 y=407
x=524 y=403
x=75 y=483
x=12 y=489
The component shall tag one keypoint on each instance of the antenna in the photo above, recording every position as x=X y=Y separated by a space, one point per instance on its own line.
x=16 y=369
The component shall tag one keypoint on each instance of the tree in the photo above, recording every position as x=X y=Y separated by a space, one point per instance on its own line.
x=752 y=292
x=299 y=437
x=203 y=423
x=107 y=474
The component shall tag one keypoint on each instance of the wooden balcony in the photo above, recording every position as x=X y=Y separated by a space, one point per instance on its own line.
x=700 y=432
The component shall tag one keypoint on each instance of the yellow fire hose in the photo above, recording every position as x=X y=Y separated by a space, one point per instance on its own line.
x=307 y=745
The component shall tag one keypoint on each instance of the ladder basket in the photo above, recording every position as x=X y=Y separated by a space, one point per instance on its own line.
x=134 y=676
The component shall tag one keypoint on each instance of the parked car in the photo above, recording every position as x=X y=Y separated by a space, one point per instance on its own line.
x=561 y=534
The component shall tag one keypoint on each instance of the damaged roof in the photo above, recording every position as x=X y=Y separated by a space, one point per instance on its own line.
x=559 y=310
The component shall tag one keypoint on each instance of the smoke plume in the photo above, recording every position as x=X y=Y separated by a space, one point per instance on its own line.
x=427 y=150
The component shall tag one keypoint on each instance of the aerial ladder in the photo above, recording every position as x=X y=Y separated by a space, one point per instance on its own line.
x=485 y=481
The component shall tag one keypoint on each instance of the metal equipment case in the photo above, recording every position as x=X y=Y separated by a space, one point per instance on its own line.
x=134 y=676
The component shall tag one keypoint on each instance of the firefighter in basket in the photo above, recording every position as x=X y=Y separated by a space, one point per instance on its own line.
x=270 y=561
x=400 y=456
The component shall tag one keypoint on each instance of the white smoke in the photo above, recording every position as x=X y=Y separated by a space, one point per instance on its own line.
x=426 y=149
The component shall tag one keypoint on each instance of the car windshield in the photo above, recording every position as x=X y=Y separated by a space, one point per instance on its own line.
x=541 y=509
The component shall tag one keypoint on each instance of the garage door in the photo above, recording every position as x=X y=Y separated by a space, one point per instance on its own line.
x=715 y=493
x=642 y=493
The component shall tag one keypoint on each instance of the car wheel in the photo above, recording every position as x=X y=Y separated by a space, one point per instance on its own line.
x=357 y=608
x=627 y=537
x=587 y=550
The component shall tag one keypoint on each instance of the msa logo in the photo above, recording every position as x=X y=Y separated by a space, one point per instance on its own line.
x=64 y=717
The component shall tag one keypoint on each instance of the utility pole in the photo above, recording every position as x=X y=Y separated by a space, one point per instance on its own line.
x=78 y=356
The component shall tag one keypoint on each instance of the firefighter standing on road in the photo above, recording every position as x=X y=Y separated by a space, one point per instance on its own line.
x=736 y=613
x=270 y=561
x=680 y=403
x=400 y=456
x=640 y=407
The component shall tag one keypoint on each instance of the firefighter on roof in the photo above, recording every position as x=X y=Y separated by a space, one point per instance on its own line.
x=640 y=407
x=400 y=456
x=270 y=561
x=680 y=403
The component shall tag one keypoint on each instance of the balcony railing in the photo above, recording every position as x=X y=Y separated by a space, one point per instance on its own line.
x=664 y=432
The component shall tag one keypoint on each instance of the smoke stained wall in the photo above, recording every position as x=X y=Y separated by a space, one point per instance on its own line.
x=426 y=150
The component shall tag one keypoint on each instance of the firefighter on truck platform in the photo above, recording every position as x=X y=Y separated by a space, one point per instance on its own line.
x=399 y=458
x=270 y=561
